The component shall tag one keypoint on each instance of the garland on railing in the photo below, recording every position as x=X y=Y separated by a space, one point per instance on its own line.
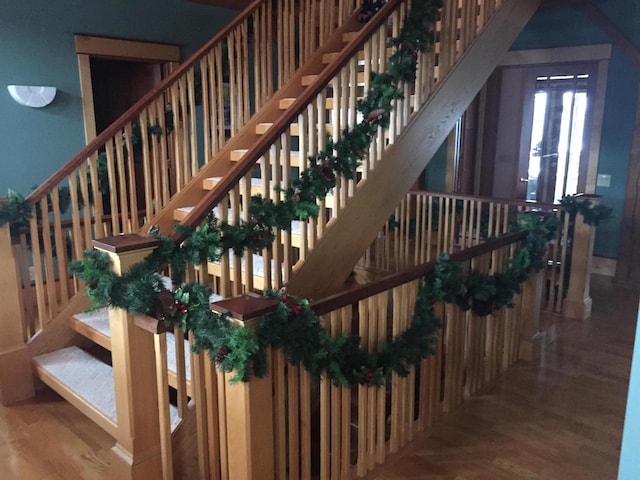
x=340 y=157
x=293 y=326
x=592 y=213
x=15 y=211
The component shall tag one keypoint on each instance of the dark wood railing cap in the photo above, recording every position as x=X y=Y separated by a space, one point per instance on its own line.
x=125 y=243
x=245 y=307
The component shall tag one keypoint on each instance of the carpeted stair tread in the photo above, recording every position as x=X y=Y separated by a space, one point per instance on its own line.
x=85 y=382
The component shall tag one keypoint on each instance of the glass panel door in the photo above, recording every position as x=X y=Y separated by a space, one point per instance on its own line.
x=557 y=136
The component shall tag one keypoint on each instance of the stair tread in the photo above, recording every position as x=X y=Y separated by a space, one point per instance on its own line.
x=99 y=320
x=88 y=379
x=85 y=375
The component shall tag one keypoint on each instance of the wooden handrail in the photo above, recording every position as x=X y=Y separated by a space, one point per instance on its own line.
x=140 y=105
x=465 y=196
x=242 y=167
x=388 y=282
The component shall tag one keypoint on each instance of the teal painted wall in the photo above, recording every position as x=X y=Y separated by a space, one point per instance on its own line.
x=563 y=28
x=436 y=171
x=37 y=48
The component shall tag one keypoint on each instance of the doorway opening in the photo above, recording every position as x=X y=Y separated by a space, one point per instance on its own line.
x=115 y=73
x=557 y=136
x=119 y=84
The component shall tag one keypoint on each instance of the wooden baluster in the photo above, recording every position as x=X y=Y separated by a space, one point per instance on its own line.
x=529 y=321
x=29 y=299
x=577 y=304
x=365 y=434
x=131 y=221
x=16 y=379
x=279 y=374
x=113 y=196
x=562 y=244
x=221 y=93
x=96 y=195
x=146 y=164
x=249 y=405
x=214 y=430
x=60 y=247
x=136 y=454
x=305 y=425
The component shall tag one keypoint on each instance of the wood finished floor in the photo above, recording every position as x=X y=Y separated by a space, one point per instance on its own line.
x=559 y=420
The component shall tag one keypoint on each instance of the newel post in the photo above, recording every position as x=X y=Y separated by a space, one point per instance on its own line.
x=577 y=303
x=530 y=331
x=249 y=405
x=137 y=454
x=16 y=378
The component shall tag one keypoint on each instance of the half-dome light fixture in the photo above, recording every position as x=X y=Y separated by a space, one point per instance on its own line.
x=32 y=96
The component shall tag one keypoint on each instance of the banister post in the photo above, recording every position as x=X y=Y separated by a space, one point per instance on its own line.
x=577 y=304
x=530 y=331
x=137 y=454
x=16 y=378
x=249 y=405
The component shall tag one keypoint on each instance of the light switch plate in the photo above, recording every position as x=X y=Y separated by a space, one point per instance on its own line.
x=603 y=180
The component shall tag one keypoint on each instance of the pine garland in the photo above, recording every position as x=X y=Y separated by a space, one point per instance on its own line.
x=16 y=211
x=592 y=213
x=293 y=326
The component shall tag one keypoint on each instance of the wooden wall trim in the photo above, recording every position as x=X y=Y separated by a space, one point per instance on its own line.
x=126 y=49
x=587 y=53
x=596 y=126
x=86 y=93
x=88 y=46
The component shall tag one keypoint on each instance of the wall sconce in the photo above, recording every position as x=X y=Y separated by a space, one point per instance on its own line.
x=30 y=96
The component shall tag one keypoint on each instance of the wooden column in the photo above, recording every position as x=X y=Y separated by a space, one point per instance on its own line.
x=249 y=405
x=577 y=304
x=136 y=455
x=16 y=379
x=530 y=332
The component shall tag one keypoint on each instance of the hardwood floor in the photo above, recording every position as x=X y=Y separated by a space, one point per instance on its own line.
x=559 y=420
x=47 y=439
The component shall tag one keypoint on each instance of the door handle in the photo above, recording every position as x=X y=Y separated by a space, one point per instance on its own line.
x=524 y=180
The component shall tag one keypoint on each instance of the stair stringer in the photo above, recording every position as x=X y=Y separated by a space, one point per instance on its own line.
x=327 y=266
x=58 y=332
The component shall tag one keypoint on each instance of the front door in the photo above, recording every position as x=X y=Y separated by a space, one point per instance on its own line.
x=555 y=132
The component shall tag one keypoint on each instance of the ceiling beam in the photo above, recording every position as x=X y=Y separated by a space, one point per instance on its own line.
x=604 y=23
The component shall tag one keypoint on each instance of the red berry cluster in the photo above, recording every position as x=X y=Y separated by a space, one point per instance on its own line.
x=290 y=302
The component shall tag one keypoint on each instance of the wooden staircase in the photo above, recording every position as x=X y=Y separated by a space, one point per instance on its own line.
x=266 y=148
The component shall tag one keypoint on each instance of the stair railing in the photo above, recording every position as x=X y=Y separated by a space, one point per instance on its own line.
x=426 y=224
x=326 y=107
x=131 y=170
x=318 y=430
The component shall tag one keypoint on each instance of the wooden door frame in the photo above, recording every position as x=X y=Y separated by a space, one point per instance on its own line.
x=599 y=54
x=90 y=46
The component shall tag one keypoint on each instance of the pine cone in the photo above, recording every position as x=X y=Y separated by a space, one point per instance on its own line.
x=221 y=353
